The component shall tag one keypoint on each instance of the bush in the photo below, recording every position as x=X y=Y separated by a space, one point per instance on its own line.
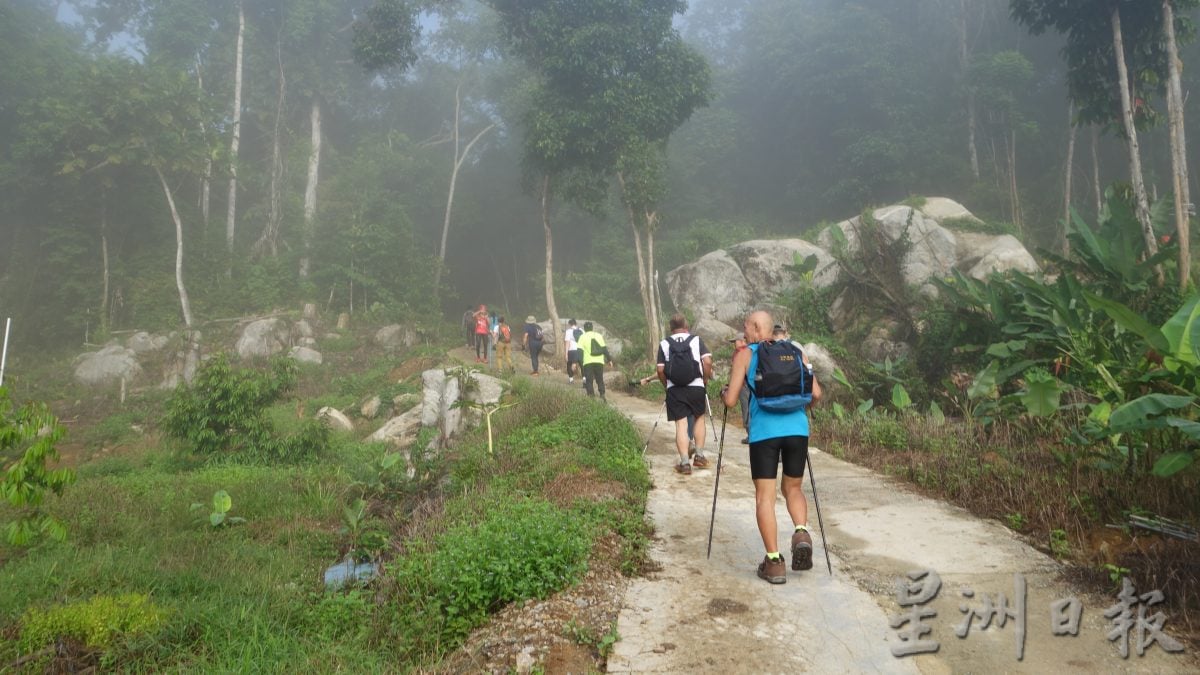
x=533 y=549
x=224 y=413
x=96 y=623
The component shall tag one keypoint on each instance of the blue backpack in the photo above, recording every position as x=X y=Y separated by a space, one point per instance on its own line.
x=782 y=383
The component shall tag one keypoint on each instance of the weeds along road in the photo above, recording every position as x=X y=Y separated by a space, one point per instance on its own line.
x=698 y=615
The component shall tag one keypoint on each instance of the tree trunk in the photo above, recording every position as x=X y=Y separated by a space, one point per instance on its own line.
x=184 y=304
x=206 y=176
x=269 y=241
x=1135 y=159
x=642 y=269
x=1178 y=149
x=104 y=262
x=550 y=306
x=964 y=62
x=652 y=274
x=1010 y=144
x=231 y=213
x=1096 y=187
x=310 y=188
x=1066 y=244
x=459 y=158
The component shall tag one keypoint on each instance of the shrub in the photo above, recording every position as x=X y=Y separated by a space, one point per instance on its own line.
x=533 y=549
x=31 y=431
x=224 y=413
x=96 y=623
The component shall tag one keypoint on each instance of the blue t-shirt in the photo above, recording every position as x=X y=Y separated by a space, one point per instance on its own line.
x=766 y=425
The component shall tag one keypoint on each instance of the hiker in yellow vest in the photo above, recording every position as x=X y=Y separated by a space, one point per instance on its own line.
x=595 y=353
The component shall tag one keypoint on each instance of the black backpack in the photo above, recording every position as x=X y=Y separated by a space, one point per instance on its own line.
x=578 y=333
x=681 y=367
x=782 y=383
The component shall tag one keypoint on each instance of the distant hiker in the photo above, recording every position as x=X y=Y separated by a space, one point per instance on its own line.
x=503 y=345
x=594 y=353
x=533 y=341
x=574 y=353
x=481 y=333
x=684 y=365
x=775 y=373
x=739 y=343
x=468 y=326
x=491 y=338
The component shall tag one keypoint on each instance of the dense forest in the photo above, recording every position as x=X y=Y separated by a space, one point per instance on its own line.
x=165 y=163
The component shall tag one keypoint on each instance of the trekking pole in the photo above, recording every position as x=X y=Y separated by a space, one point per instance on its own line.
x=720 y=453
x=711 y=421
x=820 y=524
x=654 y=428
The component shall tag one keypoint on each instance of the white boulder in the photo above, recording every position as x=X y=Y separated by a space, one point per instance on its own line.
x=112 y=364
x=713 y=286
x=263 y=338
x=142 y=342
x=395 y=336
x=306 y=355
x=765 y=263
x=981 y=255
x=400 y=430
x=335 y=419
x=370 y=408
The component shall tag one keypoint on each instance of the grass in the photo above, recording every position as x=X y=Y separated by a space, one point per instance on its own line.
x=1053 y=494
x=250 y=597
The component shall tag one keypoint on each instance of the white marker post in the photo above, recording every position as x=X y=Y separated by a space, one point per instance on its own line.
x=4 y=353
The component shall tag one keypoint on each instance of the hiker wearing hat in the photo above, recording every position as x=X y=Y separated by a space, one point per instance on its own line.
x=533 y=341
x=774 y=371
x=684 y=365
x=482 y=324
x=594 y=353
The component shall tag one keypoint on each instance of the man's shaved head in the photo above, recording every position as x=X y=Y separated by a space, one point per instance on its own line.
x=758 y=326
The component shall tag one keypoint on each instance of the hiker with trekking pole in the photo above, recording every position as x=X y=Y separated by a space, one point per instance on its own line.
x=684 y=365
x=782 y=386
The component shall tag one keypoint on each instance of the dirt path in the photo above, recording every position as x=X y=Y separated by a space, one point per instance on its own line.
x=699 y=615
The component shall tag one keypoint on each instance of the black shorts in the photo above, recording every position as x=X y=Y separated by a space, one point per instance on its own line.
x=575 y=356
x=684 y=401
x=765 y=457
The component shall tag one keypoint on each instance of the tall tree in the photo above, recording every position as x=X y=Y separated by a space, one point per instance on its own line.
x=235 y=140
x=1178 y=133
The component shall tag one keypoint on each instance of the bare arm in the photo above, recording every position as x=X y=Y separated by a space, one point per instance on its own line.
x=816 y=386
x=737 y=378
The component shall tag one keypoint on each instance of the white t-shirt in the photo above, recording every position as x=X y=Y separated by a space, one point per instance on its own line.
x=569 y=340
x=699 y=353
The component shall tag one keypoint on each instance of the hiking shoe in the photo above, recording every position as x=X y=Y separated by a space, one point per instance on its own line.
x=571 y=380
x=801 y=550
x=773 y=571
x=683 y=468
x=700 y=461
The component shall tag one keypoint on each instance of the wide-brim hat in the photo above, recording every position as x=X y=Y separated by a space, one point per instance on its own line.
x=531 y=319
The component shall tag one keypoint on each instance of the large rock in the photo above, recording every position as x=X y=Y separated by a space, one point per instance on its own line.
x=142 y=342
x=112 y=364
x=713 y=332
x=395 y=336
x=263 y=338
x=335 y=419
x=765 y=263
x=822 y=362
x=306 y=355
x=934 y=248
x=942 y=209
x=712 y=287
x=487 y=390
x=370 y=408
x=400 y=430
x=981 y=255
x=440 y=393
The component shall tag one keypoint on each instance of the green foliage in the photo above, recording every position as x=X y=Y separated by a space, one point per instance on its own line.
x=1059 y=546
x=222 y=413
x=367 y=538
x=603 y=644
x=1015 y=521
x=222 y=503
x=30 y=433
x=96 y=623
x=533 y=549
